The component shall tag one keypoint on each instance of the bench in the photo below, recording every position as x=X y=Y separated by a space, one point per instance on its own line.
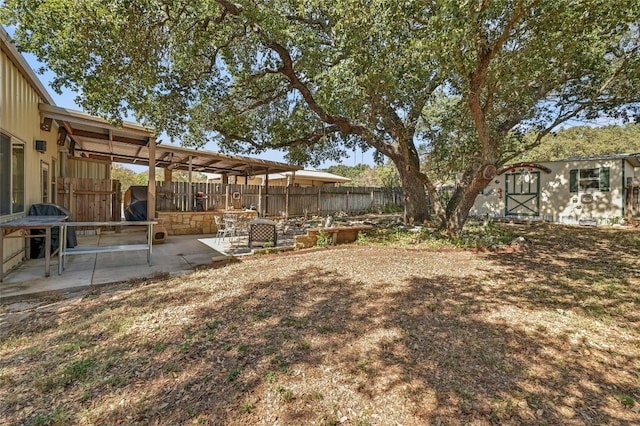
x=339 y=235
x=65 y=251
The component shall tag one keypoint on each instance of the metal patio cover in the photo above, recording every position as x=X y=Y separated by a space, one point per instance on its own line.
x=95 y=138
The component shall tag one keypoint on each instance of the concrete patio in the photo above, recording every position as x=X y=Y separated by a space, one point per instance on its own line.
x=179 y=254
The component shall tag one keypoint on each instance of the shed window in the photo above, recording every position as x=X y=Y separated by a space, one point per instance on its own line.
x=11 y=176
x=583 y=179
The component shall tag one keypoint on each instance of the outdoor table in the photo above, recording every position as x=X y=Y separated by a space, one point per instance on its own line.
x=239 y=220
x=24 y=225
x=148 y=247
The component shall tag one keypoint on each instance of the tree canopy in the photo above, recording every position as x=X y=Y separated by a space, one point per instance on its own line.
x=461 y=81
x=382 y=175
x=586 y=141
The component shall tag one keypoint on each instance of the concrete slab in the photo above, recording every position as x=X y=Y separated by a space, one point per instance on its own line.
x=177 y=255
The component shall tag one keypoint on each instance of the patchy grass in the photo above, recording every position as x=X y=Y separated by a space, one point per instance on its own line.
x=386 y=331
x=476 y=234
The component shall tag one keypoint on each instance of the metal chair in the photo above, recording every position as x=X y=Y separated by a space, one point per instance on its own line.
x=225 y=228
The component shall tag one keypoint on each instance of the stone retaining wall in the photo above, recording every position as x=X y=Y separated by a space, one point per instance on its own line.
x=339 y=235
x=195 y=223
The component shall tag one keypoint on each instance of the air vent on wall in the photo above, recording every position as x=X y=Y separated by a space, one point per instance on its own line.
x=41 y=146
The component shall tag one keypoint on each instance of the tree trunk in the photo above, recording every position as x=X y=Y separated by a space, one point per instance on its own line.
x=414 y=194
x=462 y=200
x=457 y=216
x=416 y=209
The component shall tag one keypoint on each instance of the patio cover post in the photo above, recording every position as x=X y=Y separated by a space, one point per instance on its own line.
x=151 y=187
x=286 y=201
x=189 y=188
x=266 y=193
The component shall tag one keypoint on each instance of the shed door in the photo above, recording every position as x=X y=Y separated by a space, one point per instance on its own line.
x=522 y=194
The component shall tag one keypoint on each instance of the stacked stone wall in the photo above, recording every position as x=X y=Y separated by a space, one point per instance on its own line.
x=195 y=223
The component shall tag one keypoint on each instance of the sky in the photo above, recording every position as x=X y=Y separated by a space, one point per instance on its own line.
x=67 y=100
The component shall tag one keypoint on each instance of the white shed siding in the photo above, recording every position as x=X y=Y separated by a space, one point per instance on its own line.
x=557 y=202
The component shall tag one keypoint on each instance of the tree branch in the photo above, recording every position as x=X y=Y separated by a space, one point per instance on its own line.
x=231 y=8
x=262 y=102
x=478 y=76
x=309 y=139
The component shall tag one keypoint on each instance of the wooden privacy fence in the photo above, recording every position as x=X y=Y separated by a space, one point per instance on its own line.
x=274 y=200
x=90 y=200
x=100 y=200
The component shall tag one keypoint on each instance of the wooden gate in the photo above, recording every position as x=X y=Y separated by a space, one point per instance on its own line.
x=522 y=194
x=90 y=200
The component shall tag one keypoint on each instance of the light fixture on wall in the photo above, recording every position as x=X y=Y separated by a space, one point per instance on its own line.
x=62 y=136
x=46 y=124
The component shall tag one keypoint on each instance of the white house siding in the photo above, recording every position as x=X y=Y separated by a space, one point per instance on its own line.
x=632 y=173
x=556 y=202
x=20 y=120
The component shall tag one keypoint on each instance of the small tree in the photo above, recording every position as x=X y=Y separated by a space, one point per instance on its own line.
x=127 y=177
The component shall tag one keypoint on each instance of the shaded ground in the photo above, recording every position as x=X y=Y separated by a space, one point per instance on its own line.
x=357 y=335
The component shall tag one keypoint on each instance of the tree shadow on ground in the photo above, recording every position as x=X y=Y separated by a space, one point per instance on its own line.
x=587 y=270
x=421 y=341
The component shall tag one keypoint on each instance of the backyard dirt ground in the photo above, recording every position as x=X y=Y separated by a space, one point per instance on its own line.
x=353 y=335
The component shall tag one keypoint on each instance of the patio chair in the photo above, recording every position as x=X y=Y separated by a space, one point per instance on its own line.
x=225 y=228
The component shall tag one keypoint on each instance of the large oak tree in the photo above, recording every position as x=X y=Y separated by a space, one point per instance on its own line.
x=318 y=78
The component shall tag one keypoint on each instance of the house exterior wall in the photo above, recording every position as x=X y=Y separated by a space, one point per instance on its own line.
x=556 y=200
x=20 y=120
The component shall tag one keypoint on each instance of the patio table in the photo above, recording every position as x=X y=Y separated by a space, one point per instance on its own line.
x=148 y=247
x=24 y=226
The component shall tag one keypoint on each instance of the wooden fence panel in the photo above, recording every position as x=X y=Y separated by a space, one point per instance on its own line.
x=88 y=200
x=240 y=196
x=333 y=201
x=275 y=200
x=303 y=201
x=91 y=200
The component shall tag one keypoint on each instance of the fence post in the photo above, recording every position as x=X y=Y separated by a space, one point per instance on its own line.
x=260 y=201
x=347 y=202
x=226 y=197
x=116 y=199
x=373 y=199
x=319 y=199
x=286 y=202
